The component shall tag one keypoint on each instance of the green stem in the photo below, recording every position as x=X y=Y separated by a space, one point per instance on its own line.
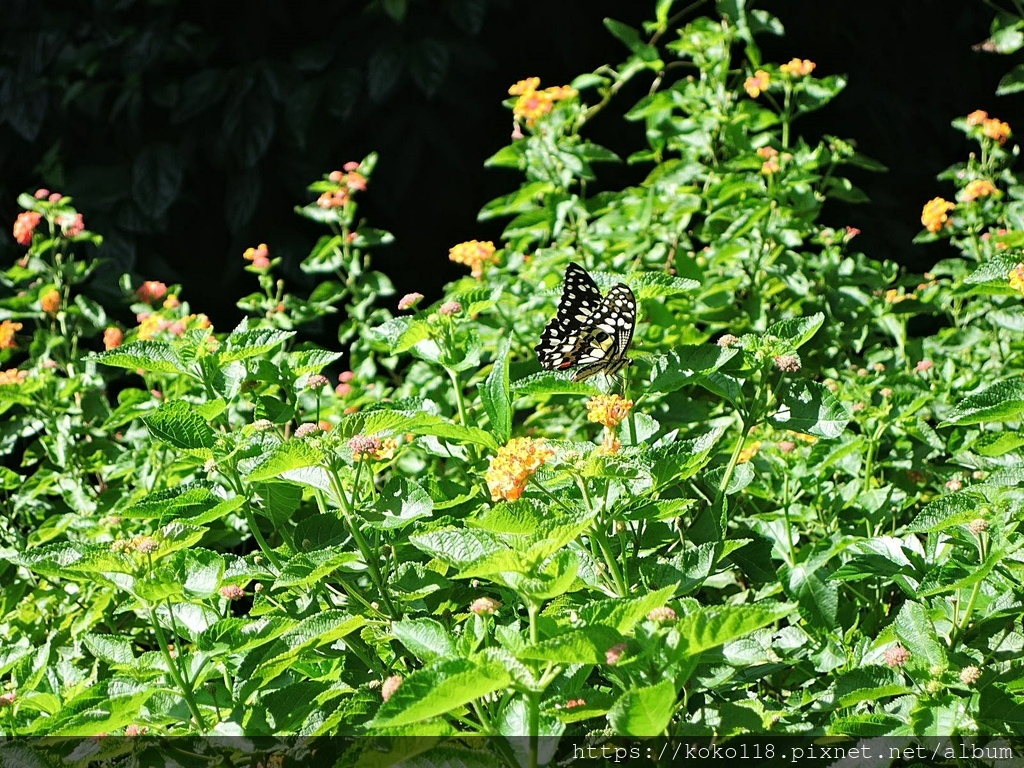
x=369 y=557
x=185 y=688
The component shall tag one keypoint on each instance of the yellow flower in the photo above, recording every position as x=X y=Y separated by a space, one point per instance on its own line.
x=798 y=67
x=978 y=188
x=7 y=331
x=149 y=326
x=608 y=410
x=514 y=465
x=896 y=295
x=749 y=452
x=996 y=130
x=1017 y=277
x=524 y=86
x=759 y=82
x=934 y=216
x=474 y=254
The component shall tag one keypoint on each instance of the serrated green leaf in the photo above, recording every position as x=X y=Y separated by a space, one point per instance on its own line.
x=177 y=423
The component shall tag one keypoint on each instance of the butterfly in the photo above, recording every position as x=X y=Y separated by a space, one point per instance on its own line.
x=589 y=330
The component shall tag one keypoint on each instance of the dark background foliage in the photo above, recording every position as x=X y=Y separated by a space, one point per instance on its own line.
x=187 y=133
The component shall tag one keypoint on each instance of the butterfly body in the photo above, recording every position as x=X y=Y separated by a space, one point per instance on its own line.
x=589 y=330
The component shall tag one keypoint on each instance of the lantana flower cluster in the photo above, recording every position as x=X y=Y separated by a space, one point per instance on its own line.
x=514 y=465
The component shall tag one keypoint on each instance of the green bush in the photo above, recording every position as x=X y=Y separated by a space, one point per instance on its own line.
x=788 y=515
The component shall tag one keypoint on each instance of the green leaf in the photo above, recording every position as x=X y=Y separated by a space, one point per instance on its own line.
x=194 y=503
x=811 y=408
x=682 y=365
x=710 y=627
x=400 y=503
x=151 y=356
x=113 y=649
x=917 y=633
x=496 y=396
x=242 y=344
x=644 y=712
x=177 y=423
x=622 y=614
x=948 y=511
x=796 y=332
x=587 y=645
x=441 y=687
x=285 y=457
x=426 y=638
x=307 y=569
x=548 y=383
x=814 y=590
x=72 y=559
x=1003 y=401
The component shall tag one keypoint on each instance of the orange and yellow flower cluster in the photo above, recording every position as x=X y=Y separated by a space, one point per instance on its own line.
x=369 y=448
x=991 y=127
x=1017 y=278
x=798 y=67
x=758 y=83
x=12 y=376
x=935 y=215
x=513 y=466
x=533 y=103
x=609 y=411
x=7 y=331
x=474 y=254
x=978 y=188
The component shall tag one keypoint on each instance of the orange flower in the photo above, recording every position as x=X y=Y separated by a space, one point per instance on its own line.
x=7 y=331
x=767 y=152
x=514 y=465
x=50 y=301
x=608 y=410
x=768 y=167
x=978 y=188
x=1017 y=278
x=996 y=130
x=12 y=376
x=798 y=67
x=112 y=338
x=25 y=226
x=151 y=291
x=759 y=82
x=532 y=105
x=977 y=117
x=935 y=216
x=474 y=254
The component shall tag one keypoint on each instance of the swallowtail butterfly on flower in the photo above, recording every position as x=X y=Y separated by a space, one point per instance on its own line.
x=589 y=330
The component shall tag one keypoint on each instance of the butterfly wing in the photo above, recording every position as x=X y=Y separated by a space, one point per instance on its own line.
x=589 y=330
x=604 y=344
x=559 y=343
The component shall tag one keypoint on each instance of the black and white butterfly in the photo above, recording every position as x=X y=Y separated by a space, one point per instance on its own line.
x=589 y=330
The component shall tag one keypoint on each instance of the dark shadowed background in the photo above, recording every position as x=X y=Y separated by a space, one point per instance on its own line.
x=187 y=133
